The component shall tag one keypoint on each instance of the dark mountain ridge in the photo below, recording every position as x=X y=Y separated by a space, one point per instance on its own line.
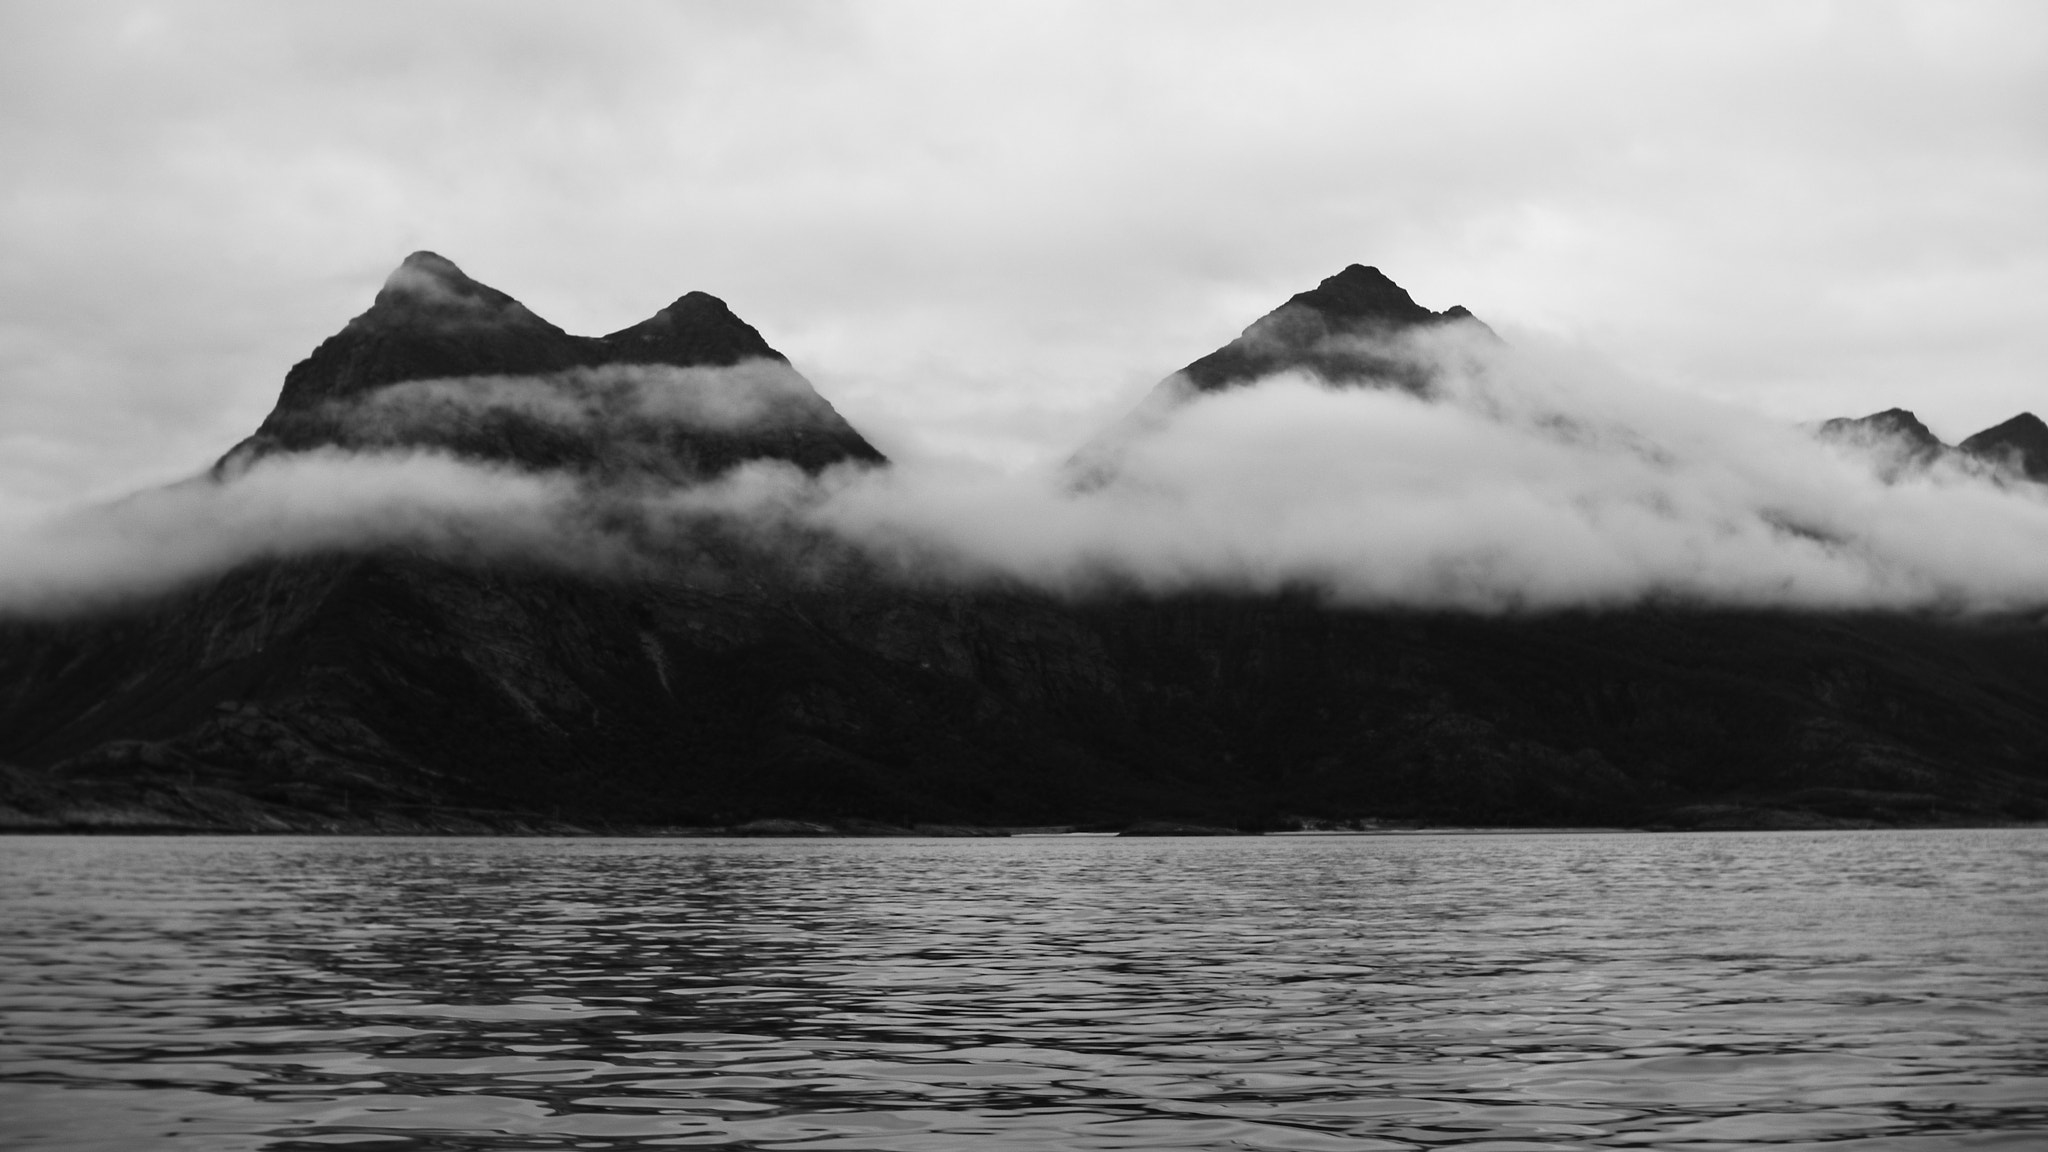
x=387 y=690
x=1890 y=424
x=1336 y=330
x=2020 y=444
x=2016 y=449
x=1348 y=331
x=430 y=321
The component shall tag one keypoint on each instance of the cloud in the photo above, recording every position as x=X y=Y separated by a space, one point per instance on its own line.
x=610 y=398
x=383 y=494
x=160 y=540
x=983 y=227
x=1522 y=480
x=1526 y=480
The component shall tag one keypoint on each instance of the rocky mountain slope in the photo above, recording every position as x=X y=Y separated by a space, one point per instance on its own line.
x=1901 y=444
x=2020 y=444
x=441 y=361
x=1338 y=330
x=391 y=690
x=1346 y=331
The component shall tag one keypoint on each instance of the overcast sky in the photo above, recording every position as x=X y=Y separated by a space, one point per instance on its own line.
x=984 y=230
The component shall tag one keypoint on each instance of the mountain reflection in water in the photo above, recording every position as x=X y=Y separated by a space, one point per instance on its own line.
x=1848 y=990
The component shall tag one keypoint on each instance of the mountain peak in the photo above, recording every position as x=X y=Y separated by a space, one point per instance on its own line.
x=696 y=308
x=697 y=328
x=1892 y=423
x=1319 y=331
x=431 y=321
x=429 y=286
x=1363 y=293
x=431 y=263
x=1345 y=331
x=2024 y=424
x=2021 y=442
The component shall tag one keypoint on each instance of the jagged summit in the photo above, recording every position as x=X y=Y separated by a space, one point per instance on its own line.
x=1895 y=439
x=430 y=275
x=1896 y=424
x=2021 y=443
x=1362 y=293
x=1345 y=331
x=431 y=321
x=1328 y=330
x=427 y=288
x=697 y=329
x=1902 y=444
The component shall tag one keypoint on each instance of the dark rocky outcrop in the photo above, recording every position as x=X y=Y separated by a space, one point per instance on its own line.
x=1346 y=331
x=1894 y=439
x=1338 y=330
x=389 y=691
x=2020 y=444
x=1902 y=445
x=1893 y=425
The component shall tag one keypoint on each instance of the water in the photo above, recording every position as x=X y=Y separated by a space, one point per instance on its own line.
x=1845 y=990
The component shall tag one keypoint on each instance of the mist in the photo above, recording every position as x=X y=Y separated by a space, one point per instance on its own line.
x=1520 y=480
x=289 y=506
x=608 y=399
x=1523 y=478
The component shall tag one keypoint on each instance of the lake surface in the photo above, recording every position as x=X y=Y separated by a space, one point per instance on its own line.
x=1843 y=990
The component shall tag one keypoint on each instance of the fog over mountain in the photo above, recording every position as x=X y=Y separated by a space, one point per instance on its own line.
x=985 y=230
x=1351 y=442
x=1518 y=479
x=1367 y=561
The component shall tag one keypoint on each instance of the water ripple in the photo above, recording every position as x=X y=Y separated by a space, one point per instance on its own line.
x=1865 y=992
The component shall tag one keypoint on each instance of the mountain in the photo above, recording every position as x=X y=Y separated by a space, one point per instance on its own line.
x=1901 y=445
x=392 y=690
x=2020 y=444
x=520 y=390
x=1895 y=439
x=1893 y=425
x=1347 y=331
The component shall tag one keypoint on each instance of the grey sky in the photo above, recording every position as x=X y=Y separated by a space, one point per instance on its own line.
x=985 y=230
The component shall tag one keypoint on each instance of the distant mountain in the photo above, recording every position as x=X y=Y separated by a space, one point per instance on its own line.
x=1894 y=437
x=380 y=690
x=1339 y=330
x=2020 y=444
x=1903 y=445
x=1345 y=331
x=520 y=390
x=1892 y=424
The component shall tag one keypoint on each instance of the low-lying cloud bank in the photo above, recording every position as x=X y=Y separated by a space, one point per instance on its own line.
x=290 y=506
x=1525 y=480
x=605 y=399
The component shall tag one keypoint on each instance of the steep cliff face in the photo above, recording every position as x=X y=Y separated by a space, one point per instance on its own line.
x=396 y=691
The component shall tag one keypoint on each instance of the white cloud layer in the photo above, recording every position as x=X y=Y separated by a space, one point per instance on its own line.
x=1530 y=480
x=160 y=540
x=753 y=394
x=985 y=229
